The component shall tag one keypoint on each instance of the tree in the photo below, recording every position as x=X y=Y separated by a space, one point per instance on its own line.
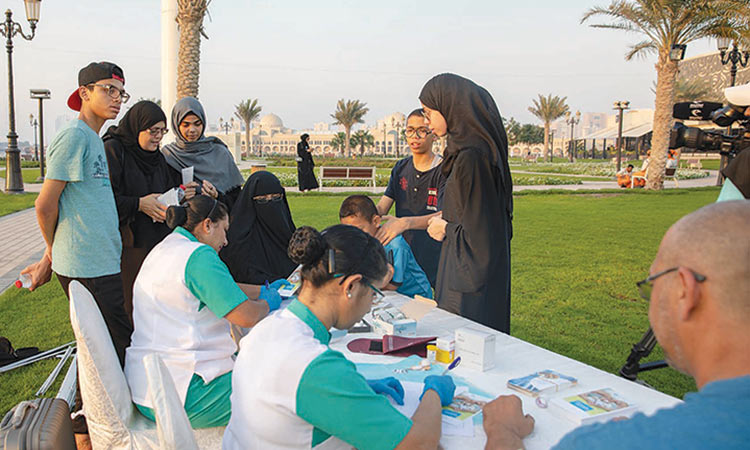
x=548 y=109
x=190 y=15
x=363 y=139
x=690 y=90
x=247 y=111
x=511 y=129
x=339 y=141
x=662 y=24
x=348 y=113
x=530 y=134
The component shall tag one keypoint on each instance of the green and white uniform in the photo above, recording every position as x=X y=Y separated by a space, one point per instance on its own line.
x=180 y=298
x=290 y=390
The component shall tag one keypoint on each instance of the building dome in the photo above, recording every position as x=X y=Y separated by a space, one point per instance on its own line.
x=271 y=121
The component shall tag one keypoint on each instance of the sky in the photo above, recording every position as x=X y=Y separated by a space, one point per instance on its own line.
x=299 y=57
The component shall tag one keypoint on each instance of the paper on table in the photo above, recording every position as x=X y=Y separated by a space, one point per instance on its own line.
x=187 y=175
x=412 y=391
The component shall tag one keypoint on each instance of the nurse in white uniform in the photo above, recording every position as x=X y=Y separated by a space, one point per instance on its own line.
x=290 y=390
x=184 y=300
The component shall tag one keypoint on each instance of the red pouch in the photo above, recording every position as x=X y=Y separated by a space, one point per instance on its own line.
x=392 y=346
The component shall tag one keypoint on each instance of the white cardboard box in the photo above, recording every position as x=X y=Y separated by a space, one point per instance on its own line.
x=476 y=348
x=387 y=319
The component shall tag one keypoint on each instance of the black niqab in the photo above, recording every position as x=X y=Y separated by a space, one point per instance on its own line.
x=142 y=116
x=259 y=233
x=473 y=122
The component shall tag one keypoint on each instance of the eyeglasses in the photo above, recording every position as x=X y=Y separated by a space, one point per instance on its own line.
x=421 y=132
x=647 y=285
x=114 y=92
x=377 y=293
x=268 y=198
x=156 y=131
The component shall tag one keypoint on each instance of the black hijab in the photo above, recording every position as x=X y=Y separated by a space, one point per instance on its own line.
x=142 y=116
x=473 y=122
x=259 y=233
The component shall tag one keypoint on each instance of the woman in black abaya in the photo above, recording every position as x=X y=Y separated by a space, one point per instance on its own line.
x=473 y=277
x=259 y=231
x=305 y=165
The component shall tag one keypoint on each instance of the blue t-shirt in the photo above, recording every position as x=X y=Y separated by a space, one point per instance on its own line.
x=418 y=193
x=716 y=417
x=407 y=273
x=87 y=238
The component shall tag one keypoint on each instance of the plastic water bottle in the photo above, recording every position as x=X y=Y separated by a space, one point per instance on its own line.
x=23 y=281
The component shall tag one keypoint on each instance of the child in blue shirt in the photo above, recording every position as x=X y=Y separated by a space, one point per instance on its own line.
x=408 y=277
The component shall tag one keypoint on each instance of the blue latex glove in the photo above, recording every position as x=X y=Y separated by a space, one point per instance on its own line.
x=271 y=296
x=280 y=283
x=443 y=385
x=388 y=386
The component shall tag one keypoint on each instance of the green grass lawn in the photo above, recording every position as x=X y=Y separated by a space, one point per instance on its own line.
x=10 y=203
x=576 y=258
x=29 y=175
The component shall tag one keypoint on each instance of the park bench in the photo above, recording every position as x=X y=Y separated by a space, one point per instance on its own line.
x=347 y=173
x=530 y=158
x=694 y=163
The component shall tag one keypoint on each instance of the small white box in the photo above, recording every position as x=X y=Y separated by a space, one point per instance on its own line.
x=398 y=327
x=476 y=348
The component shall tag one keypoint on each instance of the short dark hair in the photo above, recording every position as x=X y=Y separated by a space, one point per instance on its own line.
x=631 y=166
x=417 y=112
x=358 y=205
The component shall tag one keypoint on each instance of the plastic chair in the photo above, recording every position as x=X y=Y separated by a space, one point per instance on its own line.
x=113 y=420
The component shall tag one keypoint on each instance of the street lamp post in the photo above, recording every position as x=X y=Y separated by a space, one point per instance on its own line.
x=385 y=137
x=736 y=57
x=551 y=145
x=13 y=180
x=41 y=95
x=33 y=123
x=572 y=121
x=620 y=106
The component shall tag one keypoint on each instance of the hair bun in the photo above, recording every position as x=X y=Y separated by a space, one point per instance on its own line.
x=306 y=246
x=176 y=216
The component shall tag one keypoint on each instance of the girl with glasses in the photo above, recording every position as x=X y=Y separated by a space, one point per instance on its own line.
x=139 y=174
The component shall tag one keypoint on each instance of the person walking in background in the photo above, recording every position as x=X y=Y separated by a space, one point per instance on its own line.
x=305 y=165
x=139 y=174
x=474 y=271
x=209 y=156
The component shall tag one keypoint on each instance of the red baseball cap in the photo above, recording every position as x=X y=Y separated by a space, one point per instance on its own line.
x=91 y=74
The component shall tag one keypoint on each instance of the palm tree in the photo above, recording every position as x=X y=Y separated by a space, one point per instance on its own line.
x=247 y=111
x=348 y=113
x=339 y=141
x=663 y=24
x=363 y=139
x=190 y=15
x=548 y=109
x=690 y=90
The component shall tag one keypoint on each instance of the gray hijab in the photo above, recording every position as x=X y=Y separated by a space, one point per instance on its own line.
x=208 y=155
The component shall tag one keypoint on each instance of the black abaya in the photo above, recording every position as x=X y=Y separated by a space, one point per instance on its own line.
x=305 y=172
x=259 y=233
x=474 y=271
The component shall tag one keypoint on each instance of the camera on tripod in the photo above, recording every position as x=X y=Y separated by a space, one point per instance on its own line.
x=725 y=143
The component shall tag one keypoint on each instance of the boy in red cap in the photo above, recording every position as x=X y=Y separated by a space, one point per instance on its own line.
x=76 y=209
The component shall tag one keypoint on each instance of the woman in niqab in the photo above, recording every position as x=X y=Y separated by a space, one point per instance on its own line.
x=259 y=231
x=208 y=155
x=305 y=165
x=474 y=270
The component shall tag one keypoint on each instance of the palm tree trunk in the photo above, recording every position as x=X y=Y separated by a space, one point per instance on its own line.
x=190 y=20
x=547 y=149
x=666 y=75
x=347 y=149
x=247 y=138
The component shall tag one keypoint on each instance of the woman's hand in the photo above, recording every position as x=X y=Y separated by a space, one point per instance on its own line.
x=436 y=227
x=190 y=190
x=209 y=189
x=152 y=207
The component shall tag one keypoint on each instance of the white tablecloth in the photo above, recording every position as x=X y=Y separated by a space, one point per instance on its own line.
x=515 y=358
